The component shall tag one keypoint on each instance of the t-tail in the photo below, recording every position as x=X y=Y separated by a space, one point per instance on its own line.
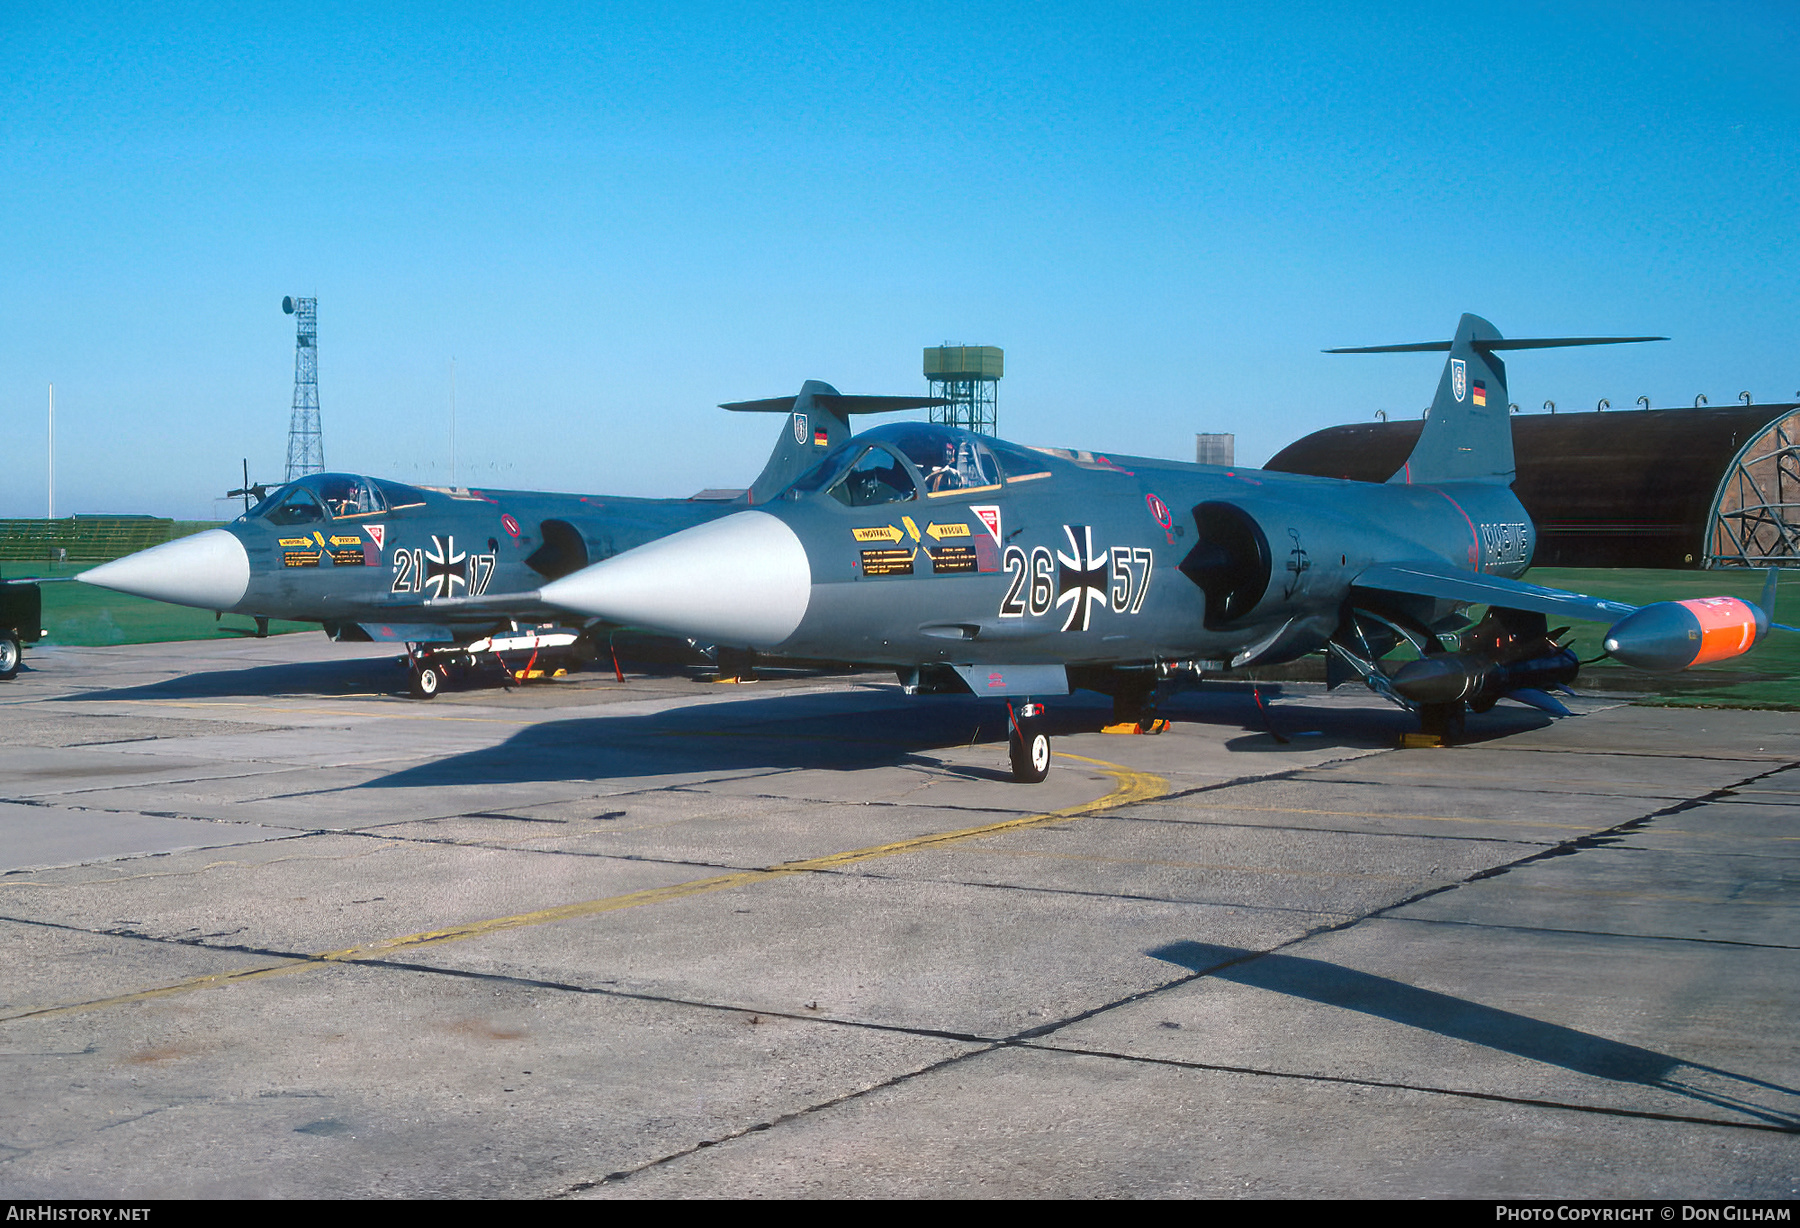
x=818 y=421
x=1468 y=432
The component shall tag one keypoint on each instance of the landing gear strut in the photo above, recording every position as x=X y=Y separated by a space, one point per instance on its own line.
x=1027 y=743
x=1444 y=722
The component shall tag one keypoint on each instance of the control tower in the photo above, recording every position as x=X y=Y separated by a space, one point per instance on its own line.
x=968 y=377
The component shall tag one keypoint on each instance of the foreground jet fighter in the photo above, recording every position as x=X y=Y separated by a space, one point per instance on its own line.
x=365 y=556
x=972 y=564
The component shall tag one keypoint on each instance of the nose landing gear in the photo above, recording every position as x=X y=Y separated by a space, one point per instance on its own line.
x=1027 y=744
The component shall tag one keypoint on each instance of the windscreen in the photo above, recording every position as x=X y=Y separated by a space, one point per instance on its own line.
x=947 y=459
x=289 y=506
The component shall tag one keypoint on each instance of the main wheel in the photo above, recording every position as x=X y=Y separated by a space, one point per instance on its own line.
x=1029 y=746
x=1446 y=722
x=426 y=681
x=9 y=656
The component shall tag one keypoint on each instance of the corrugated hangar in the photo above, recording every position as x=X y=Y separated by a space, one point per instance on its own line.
x=1709 y=487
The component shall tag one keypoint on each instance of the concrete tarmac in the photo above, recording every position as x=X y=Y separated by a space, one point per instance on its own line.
x=268 y=927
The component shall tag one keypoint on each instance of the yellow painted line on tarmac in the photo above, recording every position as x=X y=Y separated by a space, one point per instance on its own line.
x=210 y=981
x=1131 y=787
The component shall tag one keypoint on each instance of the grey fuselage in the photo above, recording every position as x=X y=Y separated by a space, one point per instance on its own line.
x=376 y=566
x=1080 y=563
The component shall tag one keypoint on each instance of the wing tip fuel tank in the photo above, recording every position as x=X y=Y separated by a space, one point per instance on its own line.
x=1677 y=635
x=743 y=580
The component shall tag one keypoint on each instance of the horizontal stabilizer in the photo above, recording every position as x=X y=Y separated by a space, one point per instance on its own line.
x=837 y=403
x=1448 y=584
x=1497 y=343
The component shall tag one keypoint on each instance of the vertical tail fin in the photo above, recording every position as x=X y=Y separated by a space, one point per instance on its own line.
x=818 y=421
x=1468 y=432
x=809 y=435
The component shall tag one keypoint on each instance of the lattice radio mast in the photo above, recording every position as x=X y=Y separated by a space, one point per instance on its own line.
x=306 y=446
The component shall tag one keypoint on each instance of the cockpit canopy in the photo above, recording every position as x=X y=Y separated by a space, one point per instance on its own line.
x=331 y=496
x=894 y=463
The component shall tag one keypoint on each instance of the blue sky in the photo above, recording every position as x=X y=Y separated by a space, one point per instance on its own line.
x=614 y=217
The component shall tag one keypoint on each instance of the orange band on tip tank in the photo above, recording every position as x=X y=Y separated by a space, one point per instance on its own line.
x=1727 y=627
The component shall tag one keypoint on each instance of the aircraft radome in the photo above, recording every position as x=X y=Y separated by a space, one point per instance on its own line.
x=365 y=557
x=969 y=564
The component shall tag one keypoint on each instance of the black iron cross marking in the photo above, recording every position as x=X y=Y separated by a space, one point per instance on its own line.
x=445 y=567
x=1081 y=580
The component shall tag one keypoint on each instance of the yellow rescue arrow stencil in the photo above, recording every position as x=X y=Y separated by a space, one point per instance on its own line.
x=941 y=531
x=886 y=533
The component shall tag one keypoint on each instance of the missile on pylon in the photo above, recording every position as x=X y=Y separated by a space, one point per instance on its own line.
x=1479 y=680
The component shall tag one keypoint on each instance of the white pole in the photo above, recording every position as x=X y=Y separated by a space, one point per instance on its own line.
x=50 y=495
x=453 y=420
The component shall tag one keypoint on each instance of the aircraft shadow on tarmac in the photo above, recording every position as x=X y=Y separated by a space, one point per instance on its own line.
x=835 y=731
x=856 y=730
x=349 y=676
x=1460 y=1019
x=875 y=727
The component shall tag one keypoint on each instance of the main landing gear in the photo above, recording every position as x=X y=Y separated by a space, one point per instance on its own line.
x=427 y=679
x=1445 y=723
x=1027 y=743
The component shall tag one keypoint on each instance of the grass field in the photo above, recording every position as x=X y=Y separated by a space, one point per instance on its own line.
x=80 y=615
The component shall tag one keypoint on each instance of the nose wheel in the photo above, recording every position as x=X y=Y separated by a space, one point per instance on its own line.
x=1027 y=743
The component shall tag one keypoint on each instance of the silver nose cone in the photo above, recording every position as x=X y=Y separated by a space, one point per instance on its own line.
x=209 y=570
x=743 y=581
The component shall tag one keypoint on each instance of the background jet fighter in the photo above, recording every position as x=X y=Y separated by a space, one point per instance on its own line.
x=372 y=559
x=969 y=563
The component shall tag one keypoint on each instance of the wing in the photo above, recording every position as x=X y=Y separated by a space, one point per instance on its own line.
x=1449 y=584
x=444 y=620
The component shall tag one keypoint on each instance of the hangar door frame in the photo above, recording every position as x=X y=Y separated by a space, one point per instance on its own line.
x=1755 y=520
